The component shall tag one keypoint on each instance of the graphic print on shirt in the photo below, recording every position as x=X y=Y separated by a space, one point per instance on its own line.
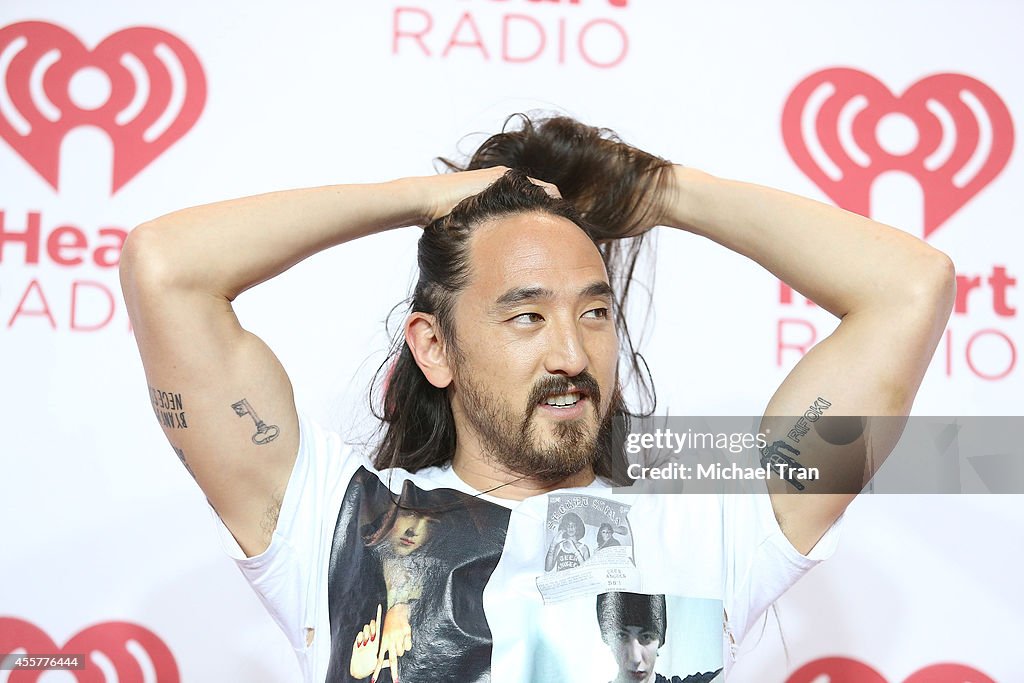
x=614 y=637
x=406 y=580
x=589 y=548
x=635 y=628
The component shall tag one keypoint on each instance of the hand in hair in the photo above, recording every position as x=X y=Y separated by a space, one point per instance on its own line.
x=621 y=190
x=444 y=191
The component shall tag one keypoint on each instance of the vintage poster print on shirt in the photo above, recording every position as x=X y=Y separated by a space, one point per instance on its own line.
x=407 y=574
x=589 y=548
x=619 y=637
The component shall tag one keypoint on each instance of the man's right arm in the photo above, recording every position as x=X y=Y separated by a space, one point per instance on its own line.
x=222 y=398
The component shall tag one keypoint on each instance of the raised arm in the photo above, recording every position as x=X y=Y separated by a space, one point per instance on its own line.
x=221 y=396
x=893 y=294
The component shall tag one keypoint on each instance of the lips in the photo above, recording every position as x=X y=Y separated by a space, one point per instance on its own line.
x=569 y=412
x=583 y=385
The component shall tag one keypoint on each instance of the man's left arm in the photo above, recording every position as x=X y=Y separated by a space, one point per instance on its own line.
x=893 y=295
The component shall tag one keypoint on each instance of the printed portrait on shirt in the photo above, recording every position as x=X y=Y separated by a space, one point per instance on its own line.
x=588 y=544
x=634 y=626
x=406 y=582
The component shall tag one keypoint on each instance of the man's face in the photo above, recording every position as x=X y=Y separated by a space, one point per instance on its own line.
x=536 y=368
x=410 y=532
x=635 y=650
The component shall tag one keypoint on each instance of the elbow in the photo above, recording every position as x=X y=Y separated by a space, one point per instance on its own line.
x=937 y=284
x=143 y=262
x=923 y=289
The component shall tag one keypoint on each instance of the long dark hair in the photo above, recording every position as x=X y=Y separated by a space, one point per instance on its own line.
x=605 y=185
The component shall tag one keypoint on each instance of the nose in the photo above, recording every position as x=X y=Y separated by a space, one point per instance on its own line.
x=566 y=354
x=634 y=652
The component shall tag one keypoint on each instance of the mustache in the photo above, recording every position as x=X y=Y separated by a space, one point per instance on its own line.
x=560 y=384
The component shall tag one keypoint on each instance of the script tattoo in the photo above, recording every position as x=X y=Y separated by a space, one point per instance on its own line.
x=168 y=408
x=181 y=456
x=264 y=433
x=810 y=416
x=782 y=455
x=774 y=458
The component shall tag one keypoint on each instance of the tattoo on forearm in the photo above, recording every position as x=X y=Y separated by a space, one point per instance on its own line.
x=264 y=433
x=168 y=408
x=181 y=456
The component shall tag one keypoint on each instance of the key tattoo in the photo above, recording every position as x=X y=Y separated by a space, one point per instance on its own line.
x=264 y=433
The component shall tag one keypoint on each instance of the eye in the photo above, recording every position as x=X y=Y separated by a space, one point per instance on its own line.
x=597 y=314
x=528 y=318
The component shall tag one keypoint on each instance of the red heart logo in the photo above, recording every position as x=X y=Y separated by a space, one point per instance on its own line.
x=144 y=87
x=845 y=670
x=831 y=126
x=111 y=643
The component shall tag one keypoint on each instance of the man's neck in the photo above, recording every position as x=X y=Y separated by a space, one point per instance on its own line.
x=486 y=477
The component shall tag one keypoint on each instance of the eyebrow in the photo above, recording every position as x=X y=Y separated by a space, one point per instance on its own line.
x=520 y=295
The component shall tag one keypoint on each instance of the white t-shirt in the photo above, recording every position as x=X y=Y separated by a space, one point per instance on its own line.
x=505 y=590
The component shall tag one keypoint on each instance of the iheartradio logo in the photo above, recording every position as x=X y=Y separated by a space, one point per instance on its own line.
x=143 y=87
x=953 y=135
x=846 y=670
x=114 y=651
x=950 y=132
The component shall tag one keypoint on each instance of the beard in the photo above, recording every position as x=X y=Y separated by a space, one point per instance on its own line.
x=512 y=439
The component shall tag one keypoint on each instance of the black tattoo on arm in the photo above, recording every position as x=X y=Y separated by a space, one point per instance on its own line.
x=264 y=433
x=168 y=408
x=780 y=456
x=774 y=458
x=812 y=415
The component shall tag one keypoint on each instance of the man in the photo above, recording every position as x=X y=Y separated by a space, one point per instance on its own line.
x=567 y=549
x=501 y=395
x=633 y=626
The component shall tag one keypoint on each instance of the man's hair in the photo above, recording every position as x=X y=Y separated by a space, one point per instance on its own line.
x=615 y=611
x=417 y=423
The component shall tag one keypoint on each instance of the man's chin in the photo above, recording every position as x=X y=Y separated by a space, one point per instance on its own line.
x=559 y=457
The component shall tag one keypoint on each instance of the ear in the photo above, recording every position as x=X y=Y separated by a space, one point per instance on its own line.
x=427 y=347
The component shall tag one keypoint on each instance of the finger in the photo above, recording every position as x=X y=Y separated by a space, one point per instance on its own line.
x=551 y=189
x=375 y=624
x=380 y=665
x=408 y=641
x=389 y=653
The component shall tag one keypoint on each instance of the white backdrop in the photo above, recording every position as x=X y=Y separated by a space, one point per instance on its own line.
x=106 y=539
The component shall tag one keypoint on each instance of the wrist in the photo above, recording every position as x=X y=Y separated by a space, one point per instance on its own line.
x=415 y=198
x=684 y=198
